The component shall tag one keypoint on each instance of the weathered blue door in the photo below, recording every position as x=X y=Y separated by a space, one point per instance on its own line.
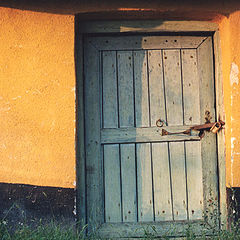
x=138 y=179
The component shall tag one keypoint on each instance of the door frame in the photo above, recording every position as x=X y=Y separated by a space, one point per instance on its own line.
x=83 y=28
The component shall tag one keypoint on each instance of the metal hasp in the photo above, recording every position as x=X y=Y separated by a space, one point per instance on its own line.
x=213 y=127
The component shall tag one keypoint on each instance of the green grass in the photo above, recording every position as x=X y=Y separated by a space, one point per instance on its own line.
x=49 y=231
x=53 y=231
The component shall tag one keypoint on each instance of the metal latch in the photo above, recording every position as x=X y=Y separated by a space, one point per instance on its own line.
x=213 y=127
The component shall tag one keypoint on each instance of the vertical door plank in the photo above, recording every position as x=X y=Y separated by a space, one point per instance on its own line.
x=191 y=97
x=177 y=159
x=113 y=207
x=207 y=113
x=141 y=89
x=161 y=180
x=126 y=117
x=156 y=86
x=174 y=106
x=194 y=180
x=206 y=80
x=173 y=87
x=94 y=176
x=111 y=152
x=144 y=167
x=129 y=201
x=144 y=182
x=125 y=81
x=160 y=158
x=193 y=149
x=109 y=90
x=221 y=135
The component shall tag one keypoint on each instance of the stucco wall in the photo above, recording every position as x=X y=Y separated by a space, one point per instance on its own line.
x=230 y=35
x=37 y=98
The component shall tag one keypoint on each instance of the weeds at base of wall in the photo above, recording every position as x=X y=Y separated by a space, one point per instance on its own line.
x=50 y=231
x=53 y=231
x=57 y=231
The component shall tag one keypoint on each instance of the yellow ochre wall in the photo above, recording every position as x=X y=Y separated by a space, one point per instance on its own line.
x=37 y=97
x=230 y=46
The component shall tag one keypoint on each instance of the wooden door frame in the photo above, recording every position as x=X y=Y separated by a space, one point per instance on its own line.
x=83 y=28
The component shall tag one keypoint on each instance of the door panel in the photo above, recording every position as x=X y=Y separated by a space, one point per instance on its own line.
x=135 y=176
x=125 y=89
x=194 y=173
x=109 y=90
x=190 y=82
x=162 y=182
x=141 y=91
x=173 y=87
x=128 y=174
x=156 y=86
x=178 y=170
x=144 y=180
x=113 y=208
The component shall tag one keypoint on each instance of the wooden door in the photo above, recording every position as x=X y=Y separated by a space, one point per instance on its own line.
x=136 y=179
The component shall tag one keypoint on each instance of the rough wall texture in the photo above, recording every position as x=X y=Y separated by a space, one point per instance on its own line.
x=37 y=98
x=37 y=91
x=230 y=34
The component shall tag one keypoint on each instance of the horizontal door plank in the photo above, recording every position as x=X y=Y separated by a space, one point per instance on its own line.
x=146 y=26
x=145 y=42
x=142 y=135
x=135 y=230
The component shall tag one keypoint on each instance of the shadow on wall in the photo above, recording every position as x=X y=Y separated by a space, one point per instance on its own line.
x=129 y=9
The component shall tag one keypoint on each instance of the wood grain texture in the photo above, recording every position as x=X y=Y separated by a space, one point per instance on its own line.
x=161 y=181
x=136 y=230
x=194 y=180
x=153 y=134
x=191 y=98
x=207 y=112
x=109 y=90
x=146 y=26
x=156 y=86
x=148 y=78
x=174 y=106
x=173 y=87
x=94 y=167
x=129 y=191
x=141 y=89
x=125 y=81
x=160 y=157
x=144 y=181
x=177 y=160
x=146 y=42
x=191 y=102
x=221 y=134
x=113 y=204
